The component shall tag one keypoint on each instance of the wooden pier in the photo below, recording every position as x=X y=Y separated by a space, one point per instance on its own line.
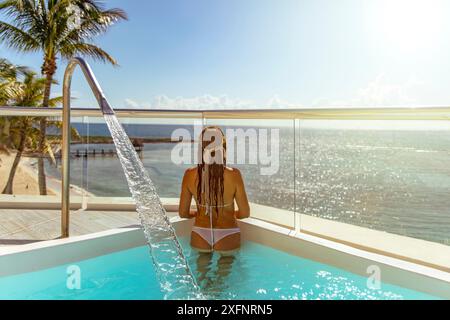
x=102 y=151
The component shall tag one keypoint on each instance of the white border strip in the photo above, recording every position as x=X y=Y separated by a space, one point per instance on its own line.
x=42 y=255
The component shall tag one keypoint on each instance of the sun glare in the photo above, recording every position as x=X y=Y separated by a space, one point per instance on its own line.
x=409 y=24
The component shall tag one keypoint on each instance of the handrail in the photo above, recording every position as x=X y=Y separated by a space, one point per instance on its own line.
x=367 y=113
x=65 y=161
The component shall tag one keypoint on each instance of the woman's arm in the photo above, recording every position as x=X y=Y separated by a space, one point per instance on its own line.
x=241 y=198
x=184 y=207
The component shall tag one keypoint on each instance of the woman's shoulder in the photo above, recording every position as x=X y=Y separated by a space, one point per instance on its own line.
x=233 y=171
x=191 y=169
x=190 y=174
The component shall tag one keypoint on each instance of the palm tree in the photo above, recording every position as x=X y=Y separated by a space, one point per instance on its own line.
x=57 y=28
x=22 y=131
x=8 y=88
x=8 y=77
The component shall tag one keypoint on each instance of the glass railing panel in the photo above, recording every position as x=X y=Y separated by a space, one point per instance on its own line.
x=19 y=183
x=154 y=140
x=297 y=175
x=387 y=176
x=390 y=176
x=263 y=150
x=94 y=167
x=19 y=162
x=80 y=153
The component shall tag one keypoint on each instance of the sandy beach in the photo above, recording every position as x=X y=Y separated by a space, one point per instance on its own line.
x=26 y=179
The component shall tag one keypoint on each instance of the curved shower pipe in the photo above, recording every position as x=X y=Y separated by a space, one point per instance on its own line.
x=104 y=107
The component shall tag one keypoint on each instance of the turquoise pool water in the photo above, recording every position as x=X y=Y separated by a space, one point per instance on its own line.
x=256 y=272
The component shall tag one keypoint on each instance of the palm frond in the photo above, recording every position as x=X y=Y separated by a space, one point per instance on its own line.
x=49 y=151
x=48 y=25
x=16 y=38
x=10 y=71
x=89 y=50
x=54 y=102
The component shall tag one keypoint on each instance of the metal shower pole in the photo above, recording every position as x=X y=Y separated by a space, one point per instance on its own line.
x=106 y=109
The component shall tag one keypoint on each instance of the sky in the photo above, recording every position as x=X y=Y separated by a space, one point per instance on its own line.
x=207 y=54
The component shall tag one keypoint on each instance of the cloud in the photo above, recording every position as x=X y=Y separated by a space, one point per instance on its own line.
x=205 y=102
x=380 y=93
x=377 y=93
x=278 y=103
x=132 y=104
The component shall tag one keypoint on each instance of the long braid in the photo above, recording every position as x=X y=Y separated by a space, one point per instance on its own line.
x=214 y=188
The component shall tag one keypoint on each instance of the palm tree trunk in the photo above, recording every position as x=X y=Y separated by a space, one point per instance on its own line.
x=41 y=154
x=9 y=184
x=49 y=69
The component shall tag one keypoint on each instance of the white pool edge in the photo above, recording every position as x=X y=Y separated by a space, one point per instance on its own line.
x=47 y=254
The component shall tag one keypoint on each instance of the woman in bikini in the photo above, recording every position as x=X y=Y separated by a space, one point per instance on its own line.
x=215 y=188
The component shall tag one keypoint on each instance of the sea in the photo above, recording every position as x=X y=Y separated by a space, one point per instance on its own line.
x=388 y=178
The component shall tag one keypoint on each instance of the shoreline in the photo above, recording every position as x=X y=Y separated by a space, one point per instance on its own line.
x=87 y=140
x=26 y=178
x=55 y=184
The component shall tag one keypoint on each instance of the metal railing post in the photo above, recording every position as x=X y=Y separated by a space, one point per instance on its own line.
x=65 y=161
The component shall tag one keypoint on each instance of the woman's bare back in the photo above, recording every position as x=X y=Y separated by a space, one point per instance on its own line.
x=224 y=215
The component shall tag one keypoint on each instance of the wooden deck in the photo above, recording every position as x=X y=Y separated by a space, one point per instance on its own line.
x=18 y=226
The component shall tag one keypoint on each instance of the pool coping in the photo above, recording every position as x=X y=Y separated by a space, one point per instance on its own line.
x=423 y=252
x=42 y=255
x=394 y=271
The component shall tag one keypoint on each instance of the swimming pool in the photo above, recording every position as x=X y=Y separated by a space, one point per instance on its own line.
x=256 y=272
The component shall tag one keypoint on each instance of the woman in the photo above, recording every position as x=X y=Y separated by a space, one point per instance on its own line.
x=215 y=188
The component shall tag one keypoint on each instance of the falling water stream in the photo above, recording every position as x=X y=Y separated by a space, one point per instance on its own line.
x=172 y=269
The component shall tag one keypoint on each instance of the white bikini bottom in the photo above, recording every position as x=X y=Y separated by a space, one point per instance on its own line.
x=212 y=236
